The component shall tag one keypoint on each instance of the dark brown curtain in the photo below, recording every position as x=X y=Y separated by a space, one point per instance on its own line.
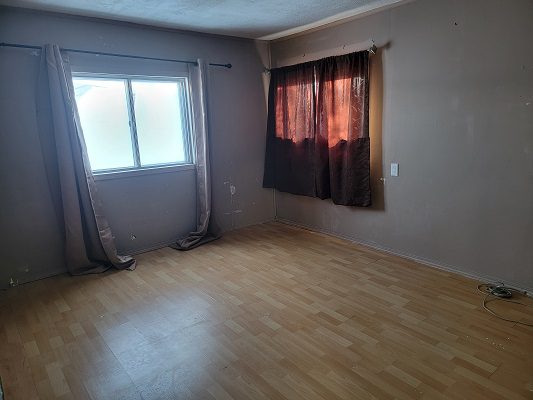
x=291 y=130
x=317 y=135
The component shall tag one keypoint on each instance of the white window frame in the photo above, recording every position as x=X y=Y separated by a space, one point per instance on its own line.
x=187 y=126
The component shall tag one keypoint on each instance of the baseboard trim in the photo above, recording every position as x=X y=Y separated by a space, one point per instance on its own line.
x=429 y=263
x=21 y=281
x=153 y=247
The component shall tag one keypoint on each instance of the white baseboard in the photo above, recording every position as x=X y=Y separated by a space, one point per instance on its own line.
x=429 y=263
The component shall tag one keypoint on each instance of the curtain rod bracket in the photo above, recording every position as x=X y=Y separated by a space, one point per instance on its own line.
x=373 y=49
x=228 y=66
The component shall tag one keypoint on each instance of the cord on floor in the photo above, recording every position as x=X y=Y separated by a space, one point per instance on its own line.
x=502 y=293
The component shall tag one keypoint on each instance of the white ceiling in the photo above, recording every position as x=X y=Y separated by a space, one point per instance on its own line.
x=264 y=19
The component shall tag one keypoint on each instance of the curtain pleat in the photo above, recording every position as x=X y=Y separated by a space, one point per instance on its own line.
x=317 y=135
x=89 y=243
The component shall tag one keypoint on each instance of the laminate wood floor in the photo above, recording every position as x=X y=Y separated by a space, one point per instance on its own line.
x=267 y=312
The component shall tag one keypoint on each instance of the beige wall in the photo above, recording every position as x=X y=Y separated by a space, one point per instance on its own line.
x=452 y=103
x=155 y=208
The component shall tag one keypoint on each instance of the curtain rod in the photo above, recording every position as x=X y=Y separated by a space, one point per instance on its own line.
x=98 y=53
x=372 y=50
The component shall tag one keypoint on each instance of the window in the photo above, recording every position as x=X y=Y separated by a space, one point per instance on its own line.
x=134 y=123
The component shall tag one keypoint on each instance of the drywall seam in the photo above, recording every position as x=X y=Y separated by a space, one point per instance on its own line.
x=429 y=263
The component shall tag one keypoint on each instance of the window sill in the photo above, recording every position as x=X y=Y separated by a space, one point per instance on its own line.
x=127 y=173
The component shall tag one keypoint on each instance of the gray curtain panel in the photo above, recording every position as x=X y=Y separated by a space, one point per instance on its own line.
x=205 y=231
x=89 y=243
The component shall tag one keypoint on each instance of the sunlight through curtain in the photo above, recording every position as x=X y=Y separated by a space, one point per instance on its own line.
x=317 y=136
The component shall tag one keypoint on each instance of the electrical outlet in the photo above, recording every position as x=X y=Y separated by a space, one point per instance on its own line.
x=394 y=169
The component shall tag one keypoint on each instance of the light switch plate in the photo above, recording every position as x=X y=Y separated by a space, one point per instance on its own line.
x=394 y=169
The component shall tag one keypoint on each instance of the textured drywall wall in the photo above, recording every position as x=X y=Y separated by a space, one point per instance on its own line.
x=452 y=103
x=148 y=211
x=154 y=208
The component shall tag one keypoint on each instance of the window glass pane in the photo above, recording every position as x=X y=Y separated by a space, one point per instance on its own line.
x=159 y=121
x=104 y=116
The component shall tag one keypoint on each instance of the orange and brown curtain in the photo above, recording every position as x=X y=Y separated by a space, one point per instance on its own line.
x=317 y=136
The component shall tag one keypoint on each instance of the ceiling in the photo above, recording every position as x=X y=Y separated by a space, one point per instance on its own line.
x=256 y=19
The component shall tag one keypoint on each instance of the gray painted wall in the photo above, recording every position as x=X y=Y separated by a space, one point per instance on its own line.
x=155 y=208
x=452 y=103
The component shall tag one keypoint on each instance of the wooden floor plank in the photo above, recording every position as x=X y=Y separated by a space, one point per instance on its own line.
x=267 y=312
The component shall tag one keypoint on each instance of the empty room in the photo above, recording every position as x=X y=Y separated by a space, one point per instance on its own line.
x=239 y=199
